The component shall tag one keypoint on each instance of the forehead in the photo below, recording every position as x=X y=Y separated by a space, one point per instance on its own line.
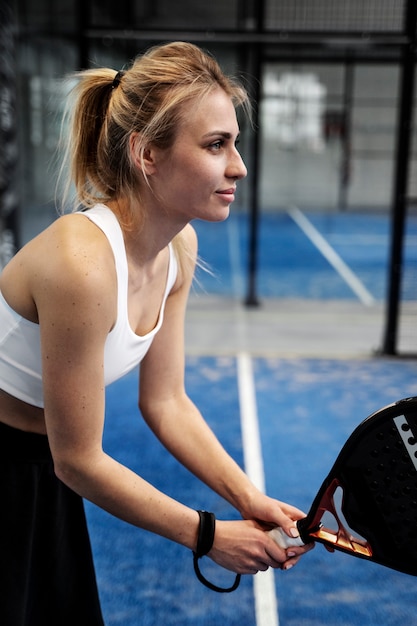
x=214 y=111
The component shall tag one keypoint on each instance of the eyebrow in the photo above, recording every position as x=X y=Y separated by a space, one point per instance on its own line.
x=222 y=133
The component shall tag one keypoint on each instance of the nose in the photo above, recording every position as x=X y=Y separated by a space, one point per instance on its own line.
x=236 y=168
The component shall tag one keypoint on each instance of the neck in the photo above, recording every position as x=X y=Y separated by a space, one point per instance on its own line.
x=146 y=232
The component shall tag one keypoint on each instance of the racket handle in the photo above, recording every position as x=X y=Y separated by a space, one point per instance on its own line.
x=282 y=539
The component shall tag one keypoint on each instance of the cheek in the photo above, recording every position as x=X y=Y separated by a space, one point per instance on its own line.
x=207 y=171
x=196 y=177
x=190 y=172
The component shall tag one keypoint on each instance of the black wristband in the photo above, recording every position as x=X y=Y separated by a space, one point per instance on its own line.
x=206 y=532
x=205 y=541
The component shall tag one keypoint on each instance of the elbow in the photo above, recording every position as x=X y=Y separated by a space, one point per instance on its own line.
x=76 y=473
x=68 y=473
x=149 y=410
x=155 y=409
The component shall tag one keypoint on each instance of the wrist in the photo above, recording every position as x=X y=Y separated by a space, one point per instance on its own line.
x=245 y=502
x=205 y=541
x=206 y=530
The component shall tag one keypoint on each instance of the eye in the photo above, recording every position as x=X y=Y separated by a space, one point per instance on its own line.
x=216 y=145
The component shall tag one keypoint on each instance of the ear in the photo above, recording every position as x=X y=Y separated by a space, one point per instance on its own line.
x=143 y=157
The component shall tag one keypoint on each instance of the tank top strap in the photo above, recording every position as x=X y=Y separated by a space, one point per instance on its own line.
x=106 y=220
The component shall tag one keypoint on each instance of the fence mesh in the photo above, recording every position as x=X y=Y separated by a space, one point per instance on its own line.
x=367 y=16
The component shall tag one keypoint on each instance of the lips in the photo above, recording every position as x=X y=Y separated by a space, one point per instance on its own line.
x=227 y=194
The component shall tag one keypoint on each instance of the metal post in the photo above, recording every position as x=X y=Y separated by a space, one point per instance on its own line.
x=346 y=136
x=399 y=205
x=256 y=70
x=83 y=19
x=9 y=204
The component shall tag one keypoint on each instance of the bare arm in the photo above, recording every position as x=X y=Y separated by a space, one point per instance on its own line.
x=74 y=287
x=179 y=425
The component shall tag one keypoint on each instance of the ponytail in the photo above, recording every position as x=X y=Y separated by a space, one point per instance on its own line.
x=86 y=120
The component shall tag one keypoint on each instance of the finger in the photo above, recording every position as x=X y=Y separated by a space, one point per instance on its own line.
x=276 y=554
x=260 y=567
x=299 y=551
x=263 y=567
x=290 y=564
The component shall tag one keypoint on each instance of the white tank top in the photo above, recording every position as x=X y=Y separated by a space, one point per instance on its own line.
x=20 y=350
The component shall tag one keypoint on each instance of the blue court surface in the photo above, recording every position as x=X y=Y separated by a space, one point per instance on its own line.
x=315 y=255
x=304 y=410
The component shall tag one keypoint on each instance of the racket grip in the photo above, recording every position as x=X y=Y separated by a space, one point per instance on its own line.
x=282 y=539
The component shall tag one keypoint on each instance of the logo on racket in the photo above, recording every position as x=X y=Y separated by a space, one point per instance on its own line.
x=408 y=438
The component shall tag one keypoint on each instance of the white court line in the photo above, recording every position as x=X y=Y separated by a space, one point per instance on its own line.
x=266 y=604
x=331 y=255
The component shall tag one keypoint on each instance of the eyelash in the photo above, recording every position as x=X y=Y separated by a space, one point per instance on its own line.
x=220 y=143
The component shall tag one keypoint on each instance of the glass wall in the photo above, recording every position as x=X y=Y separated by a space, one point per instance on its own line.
x=328 y=135
x=41 y=101
x=302 y=126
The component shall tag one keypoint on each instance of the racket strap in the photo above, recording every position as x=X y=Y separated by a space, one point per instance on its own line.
x=205 y=540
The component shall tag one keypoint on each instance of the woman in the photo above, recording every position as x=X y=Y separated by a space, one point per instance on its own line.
x=96 y=293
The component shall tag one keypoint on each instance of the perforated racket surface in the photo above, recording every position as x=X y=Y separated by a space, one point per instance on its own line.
x=376 y=471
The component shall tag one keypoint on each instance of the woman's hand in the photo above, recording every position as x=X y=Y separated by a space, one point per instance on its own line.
x=270 y=513
x=245 y=547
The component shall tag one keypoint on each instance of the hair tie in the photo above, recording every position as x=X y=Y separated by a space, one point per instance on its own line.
x=117 y=79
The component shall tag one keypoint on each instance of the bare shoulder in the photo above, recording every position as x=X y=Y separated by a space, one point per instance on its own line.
x=76 y=241
x=70 y=261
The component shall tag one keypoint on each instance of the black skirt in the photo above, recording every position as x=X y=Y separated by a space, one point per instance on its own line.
x=47 y=574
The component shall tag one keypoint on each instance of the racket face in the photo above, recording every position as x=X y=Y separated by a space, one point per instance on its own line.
x=376 y=471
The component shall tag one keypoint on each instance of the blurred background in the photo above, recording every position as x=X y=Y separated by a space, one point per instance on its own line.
x=314 y=275
x=333 y=154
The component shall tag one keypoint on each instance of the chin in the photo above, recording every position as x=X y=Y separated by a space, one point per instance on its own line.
x=219 y=216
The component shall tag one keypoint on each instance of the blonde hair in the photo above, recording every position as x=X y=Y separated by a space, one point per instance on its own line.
x=105 y=108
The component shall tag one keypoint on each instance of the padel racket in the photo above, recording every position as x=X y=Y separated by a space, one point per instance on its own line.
x=376 y=476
